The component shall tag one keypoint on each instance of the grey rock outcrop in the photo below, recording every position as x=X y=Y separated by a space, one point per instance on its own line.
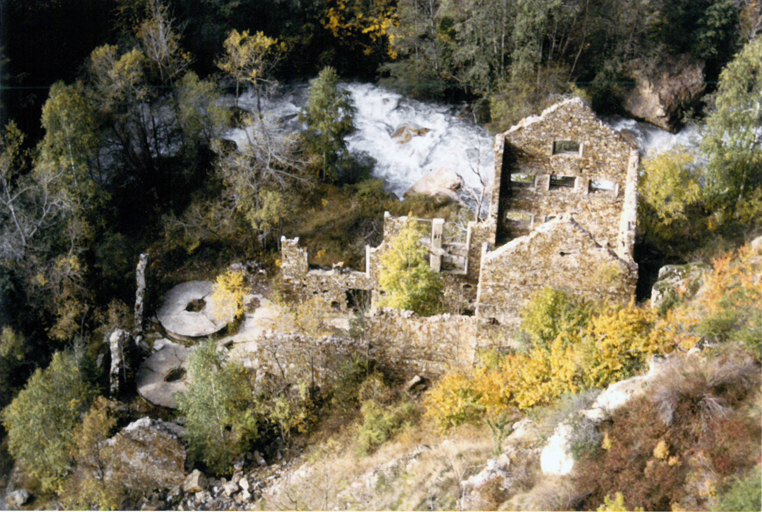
x=151 y=452
x=677 y=281
x=17 y=499
x=663 y=94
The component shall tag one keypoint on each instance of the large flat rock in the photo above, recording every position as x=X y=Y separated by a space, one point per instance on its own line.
x=180 y=322
x=164 y=374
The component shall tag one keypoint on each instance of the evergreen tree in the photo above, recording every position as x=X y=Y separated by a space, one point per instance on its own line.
x=329 y=119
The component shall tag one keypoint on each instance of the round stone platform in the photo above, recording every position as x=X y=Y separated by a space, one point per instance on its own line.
x=163 y=374
x=188 y=311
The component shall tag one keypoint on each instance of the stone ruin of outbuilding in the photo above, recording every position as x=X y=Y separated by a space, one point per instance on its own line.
x=562 y=215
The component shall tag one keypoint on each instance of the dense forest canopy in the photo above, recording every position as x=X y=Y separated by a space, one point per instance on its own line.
x=112 y=115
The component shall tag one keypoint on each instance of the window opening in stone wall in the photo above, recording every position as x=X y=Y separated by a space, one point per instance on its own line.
x=600 y=186
x=518 y=220
x=358 y=300
x=566 y=147
x=558 y=182
x=521 y=180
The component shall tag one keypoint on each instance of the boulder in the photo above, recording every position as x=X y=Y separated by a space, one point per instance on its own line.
x=676 y=281
x=18 y=498
x=438 y=183
x=663 y=93
x=150 y=452
x=556 y=457
x=404 y=133
x=196 y=482
x=230 y=488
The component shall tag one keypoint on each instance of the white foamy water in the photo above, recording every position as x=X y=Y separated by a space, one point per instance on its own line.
x=653 y=140
x=450 y=141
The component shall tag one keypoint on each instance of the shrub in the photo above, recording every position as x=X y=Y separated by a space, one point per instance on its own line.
x=381 y=422
x=218 y=408
x=673 y=447
x=41 y=420
x=93 y=486
x=229 y=291
x=744 y=493
x=453 y=400
x=616 y=505
x=617 y=343
x=551 y=313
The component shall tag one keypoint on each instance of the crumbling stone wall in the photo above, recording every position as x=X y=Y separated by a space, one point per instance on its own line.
x=563 y=161
x=425 y=346
x=560 y=254
x=334 y=287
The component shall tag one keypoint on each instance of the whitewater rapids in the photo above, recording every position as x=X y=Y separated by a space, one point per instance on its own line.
x=452 y=141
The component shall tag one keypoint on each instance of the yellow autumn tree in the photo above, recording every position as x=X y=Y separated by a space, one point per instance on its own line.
x=251 y=58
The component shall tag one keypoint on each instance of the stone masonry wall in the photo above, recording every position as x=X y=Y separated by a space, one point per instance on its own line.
x=330 y=286
x=425 y=346
x=560 y=254
x=596 y=173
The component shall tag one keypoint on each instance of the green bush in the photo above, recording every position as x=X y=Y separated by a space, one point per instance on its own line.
x=380 y=423
x=551 y=312
x=744 y=493
x=41 y=420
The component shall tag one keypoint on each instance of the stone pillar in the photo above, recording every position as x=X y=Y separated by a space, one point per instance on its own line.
x=437 y=230
x=294 y=259
x=119 y=344
x=140 y=296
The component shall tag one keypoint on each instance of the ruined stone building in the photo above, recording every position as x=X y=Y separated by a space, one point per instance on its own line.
x=562 y=214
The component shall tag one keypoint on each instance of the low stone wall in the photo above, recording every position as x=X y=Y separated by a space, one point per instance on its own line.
x=291 y=358
x=425 y=346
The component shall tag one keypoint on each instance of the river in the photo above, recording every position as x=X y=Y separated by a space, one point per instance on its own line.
x=452 y=140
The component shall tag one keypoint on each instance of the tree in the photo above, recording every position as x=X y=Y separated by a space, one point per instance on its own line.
x=669 y=184
x=218 y=408
x=161 y=43
x=262 y=175
x=251 y=58
x=733 y=138
x=200 y=116
x=329 y=119
x=406 y=276
x=41 y=420
x=13 y=353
